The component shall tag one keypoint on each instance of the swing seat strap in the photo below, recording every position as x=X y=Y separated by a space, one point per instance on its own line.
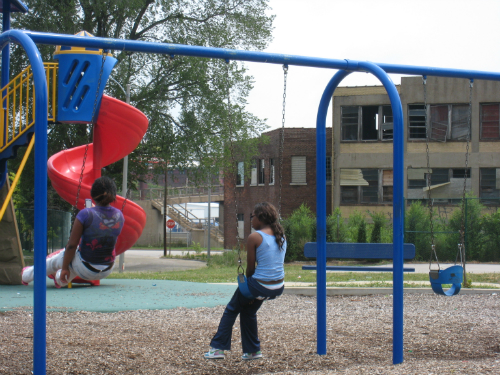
x=452 y=275
x=243 y=286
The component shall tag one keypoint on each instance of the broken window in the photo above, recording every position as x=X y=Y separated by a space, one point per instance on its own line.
x=439 y=123
x=387 y=122
x=490 y=121
x=369 y=124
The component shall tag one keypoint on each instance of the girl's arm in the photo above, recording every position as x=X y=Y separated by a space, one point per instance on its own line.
x=69 y=254
x=253 y=242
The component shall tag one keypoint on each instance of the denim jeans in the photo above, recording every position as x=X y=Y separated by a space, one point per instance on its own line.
x=247 y=309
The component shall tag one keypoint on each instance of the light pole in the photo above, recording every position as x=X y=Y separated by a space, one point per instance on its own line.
x=121 y=257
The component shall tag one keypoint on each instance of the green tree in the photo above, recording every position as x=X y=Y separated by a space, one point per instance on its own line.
x=361 y=232
x=490 y=224
x=417 y=222
x=299 y=229
x=379 y=223
x=336 y=229
x=185 y=99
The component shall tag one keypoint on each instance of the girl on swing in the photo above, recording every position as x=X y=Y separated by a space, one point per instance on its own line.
x=90 y=252
x=266 y=247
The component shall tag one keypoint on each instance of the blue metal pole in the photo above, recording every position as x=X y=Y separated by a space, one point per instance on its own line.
x=5 y=79
x=39 y=315
x=239 y=55
x=321 y=208
x=398 y=171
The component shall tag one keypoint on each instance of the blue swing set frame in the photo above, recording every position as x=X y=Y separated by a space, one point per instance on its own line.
x=28 y=40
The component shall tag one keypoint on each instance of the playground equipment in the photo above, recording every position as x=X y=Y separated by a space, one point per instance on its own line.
x=28 y=40
x=119 y=128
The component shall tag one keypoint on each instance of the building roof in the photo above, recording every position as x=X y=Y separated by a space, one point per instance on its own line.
x=361 y=90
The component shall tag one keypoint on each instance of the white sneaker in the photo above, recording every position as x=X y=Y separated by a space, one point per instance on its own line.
x=215 y=354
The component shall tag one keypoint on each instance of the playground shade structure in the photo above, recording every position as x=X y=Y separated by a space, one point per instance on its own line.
x=119 y=129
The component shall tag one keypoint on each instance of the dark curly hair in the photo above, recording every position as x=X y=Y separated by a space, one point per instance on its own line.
x=267 y=214
x=103 y=191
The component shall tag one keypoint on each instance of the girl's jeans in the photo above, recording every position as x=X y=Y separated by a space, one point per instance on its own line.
x=247 y=308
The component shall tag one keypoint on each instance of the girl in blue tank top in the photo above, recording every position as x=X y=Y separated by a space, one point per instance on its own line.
x=266 y=248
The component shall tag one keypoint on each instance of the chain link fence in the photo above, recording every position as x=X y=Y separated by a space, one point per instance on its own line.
x=58 y=228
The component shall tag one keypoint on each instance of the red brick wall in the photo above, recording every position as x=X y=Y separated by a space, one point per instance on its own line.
x=298 y=142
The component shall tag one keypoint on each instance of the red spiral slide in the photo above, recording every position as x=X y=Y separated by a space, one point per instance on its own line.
x=119 y=129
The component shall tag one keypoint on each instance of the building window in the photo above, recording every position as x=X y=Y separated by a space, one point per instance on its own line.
x=362 y=186
x=489 y=185
x=271 y=171
x=416 y=121
x=490 y=121
x=328 y=169
x=445 y=121
x=262 y=171
x=366 y=123
x=446 y=184
x=387 y=122
x=241 y=226
x=369 y=194
x=387 y=183
x=240 y=173
x=299 y=170
x=253 y=180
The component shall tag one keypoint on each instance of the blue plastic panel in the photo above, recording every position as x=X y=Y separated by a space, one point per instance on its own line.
x=341 y=250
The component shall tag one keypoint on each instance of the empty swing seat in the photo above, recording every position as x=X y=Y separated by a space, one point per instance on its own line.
x=452 y=275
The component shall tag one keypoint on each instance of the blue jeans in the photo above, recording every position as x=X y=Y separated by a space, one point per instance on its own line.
x=247 y=308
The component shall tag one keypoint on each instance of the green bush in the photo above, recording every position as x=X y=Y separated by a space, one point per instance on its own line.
x=300 y=228
x=336 y=228
x=353 y=224
x=491 y=237
x=417 y=220
x=379 y=223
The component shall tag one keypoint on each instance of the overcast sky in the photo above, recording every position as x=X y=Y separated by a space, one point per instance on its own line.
x=440 y=33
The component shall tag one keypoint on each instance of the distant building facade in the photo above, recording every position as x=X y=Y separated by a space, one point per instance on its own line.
x=363 y=147
x=262 y=182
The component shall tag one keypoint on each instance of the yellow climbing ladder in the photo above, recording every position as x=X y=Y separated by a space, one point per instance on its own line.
x=19 y=102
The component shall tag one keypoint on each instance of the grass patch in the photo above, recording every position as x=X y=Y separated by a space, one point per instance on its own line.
x=223 y=270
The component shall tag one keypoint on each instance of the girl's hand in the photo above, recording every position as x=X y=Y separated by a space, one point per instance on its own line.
x=64 y=276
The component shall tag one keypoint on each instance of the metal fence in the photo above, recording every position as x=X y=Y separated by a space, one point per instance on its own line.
x=58 y=228
x=173 y=192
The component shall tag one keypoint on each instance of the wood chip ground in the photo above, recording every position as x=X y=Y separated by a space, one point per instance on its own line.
x=456 y=335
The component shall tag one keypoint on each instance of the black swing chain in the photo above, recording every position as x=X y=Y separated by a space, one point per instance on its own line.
x=233 y=161
x=104 y=52
x=461 y=245
x=282 y=140
x=430 y=202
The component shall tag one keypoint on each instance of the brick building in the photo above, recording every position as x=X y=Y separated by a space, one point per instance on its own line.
x=262 y=183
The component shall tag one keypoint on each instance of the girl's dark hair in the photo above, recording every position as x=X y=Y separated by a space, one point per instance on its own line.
x=103 y=191
x=267 y=214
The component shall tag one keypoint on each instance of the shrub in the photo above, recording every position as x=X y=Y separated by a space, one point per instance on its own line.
x=299 y=229
x=491 y=237
x=417 y=221
x=379 y=223
x=336 y=228
x=353 y=225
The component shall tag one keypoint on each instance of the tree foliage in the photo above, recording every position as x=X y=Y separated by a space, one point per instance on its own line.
x=194 y=105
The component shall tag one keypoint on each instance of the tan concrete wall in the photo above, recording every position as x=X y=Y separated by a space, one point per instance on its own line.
x=152 y=235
